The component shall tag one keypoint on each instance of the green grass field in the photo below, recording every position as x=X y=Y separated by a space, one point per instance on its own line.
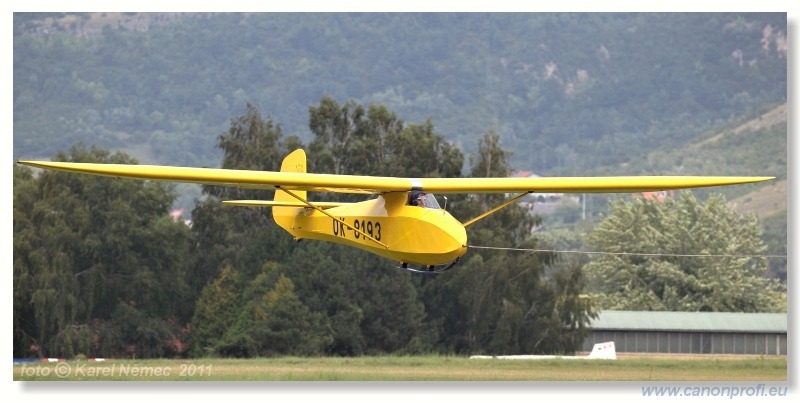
x=422 y=368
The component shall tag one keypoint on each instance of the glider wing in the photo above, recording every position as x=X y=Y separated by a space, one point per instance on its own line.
x=377 y=185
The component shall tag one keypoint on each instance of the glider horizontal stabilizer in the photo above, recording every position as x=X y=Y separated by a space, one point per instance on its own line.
x=270 y=203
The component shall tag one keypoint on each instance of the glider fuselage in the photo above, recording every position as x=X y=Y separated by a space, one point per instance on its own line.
x=410 y=234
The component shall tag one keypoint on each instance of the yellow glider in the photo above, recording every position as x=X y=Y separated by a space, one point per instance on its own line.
x=394 y=225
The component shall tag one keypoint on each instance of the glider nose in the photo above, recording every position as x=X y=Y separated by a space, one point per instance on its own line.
x=463 y=250
x=460 y=238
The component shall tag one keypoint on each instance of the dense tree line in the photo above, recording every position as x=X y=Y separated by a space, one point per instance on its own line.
x=100 y=269
x=98 y=266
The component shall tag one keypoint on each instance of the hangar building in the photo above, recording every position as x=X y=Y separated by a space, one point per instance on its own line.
x=690 y=332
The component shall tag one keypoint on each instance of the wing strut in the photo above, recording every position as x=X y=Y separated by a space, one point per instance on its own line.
x=306 y=202
x=494 y=210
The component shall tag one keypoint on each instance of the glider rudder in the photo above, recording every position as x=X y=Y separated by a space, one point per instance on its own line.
x=284 y=216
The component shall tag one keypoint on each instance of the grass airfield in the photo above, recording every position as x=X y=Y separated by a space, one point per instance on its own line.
x=627 y=367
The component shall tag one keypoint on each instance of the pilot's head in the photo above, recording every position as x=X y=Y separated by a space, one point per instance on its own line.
x=418 y=198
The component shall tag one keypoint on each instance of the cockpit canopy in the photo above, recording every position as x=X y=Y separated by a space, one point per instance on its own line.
x=422 y=199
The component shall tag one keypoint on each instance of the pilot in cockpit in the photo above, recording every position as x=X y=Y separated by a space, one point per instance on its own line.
x=421 y=199
x=417 y=198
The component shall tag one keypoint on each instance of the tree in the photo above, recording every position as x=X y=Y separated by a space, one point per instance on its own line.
x=215 y=311
x=239 y=317
x=353 y=140
x=651 y=264
x=241 y=237
x=282 y=324
x=252 y=142
x=418 y=151
x=84 y=244
x=382 y=312
x=505 y=303
x=25 y=234
x=509 y=226
x=338 y=135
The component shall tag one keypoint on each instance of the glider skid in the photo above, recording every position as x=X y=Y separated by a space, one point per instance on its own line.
x=428 y=269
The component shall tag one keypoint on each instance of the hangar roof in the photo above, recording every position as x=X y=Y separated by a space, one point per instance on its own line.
x=692 y=321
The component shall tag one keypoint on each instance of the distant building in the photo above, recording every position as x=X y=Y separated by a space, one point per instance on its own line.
x=177 y=215
x=538 y=197
x=691 y=332
x=659 y=196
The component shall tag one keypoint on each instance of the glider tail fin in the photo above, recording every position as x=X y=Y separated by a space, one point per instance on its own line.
x=284 y=216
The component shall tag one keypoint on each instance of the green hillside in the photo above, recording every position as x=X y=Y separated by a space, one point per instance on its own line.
x=567 y=91
x=757 y=146
x=754 y=145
